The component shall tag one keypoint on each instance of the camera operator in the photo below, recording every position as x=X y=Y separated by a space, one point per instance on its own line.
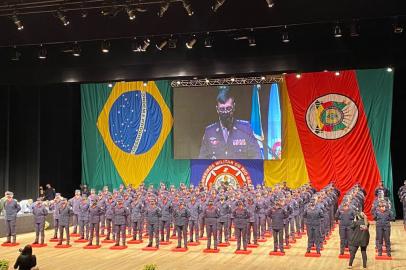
x=359 y=238
x=26 y=261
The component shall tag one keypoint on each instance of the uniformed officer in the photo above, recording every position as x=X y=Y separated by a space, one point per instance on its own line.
x=313 y=216
x=11 y=208
x=137 y=217
x=95 y=213
x=83 y=218
x=278 y=214
x=40 y=213
x=120 y=214
x=101 y=203
x=195 y=212
x=224 y=211
x=241 y=217
x=165 y=220
x=74 y=203
x=110 y=204
x=252 y=221
x=229 y=137
x=262 y=209
x=383 y=217
x=402 y=197
x=345 y=215
x=54 y=206
x=383 y=189
x=211 y=215
x=203 y=206
x=152 y=215
x=181 y=216
x=65 y=212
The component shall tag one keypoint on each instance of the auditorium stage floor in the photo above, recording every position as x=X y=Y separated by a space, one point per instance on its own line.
x=134 y=258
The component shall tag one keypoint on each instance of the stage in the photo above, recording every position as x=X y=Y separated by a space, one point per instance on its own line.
x=134 y=258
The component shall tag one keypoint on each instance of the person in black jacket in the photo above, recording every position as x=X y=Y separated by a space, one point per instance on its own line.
x=26 y=260
x=359 y=238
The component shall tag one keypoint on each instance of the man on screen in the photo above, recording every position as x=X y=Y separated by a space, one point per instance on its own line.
x=228 y=137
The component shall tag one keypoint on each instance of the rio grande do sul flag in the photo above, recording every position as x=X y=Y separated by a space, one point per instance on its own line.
x=334 y=129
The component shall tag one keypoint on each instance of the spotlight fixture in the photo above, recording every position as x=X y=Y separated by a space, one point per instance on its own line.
x=397 y=28
x=206 y=81
x=15 y=56
x=105 y=46
x=191 y=42
x=83 y=13
x=251 y=41
x=130 y=13
x=270 y=3
x=145 y=44
x=163 y=8
x=208 y=43
x=337 y=73
x=42 y=52
x=354 y=29
x=76 y=50
x=112 y=11
x=172 y=42
x=145 y=83
x=62 y=17
x=285 y=35
x=262 y=78
x=337 y=31
x=389 y=69
x=217 y=4
x=232 y=79
x=188 y=7
x=17 y=21
x=110 y=85
x=161 y=45
x=178 y=82
x=298 y=75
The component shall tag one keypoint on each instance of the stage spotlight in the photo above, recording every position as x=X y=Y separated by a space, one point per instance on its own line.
x=208 y=41
x=17 y=21
x=83 y=13
x=130 y=13
x=397 y=28
x=262 y=78
x=145 y=44
x=337 y=73
x=206 y=80
x=270 y=3
x=178 y=82
x=105 y=46
x=62 y=17
x=145 y=83
x=161 y=45
x=285 y=35
x=110 y=85
x=298 y=75
x=354 y=29
x=42 y=52
x=232 y=79
x=163 y=8
x=251 y=41
x=217 y=4
x=389 y=69
x=76 y=50
x=188 y=7
x=15 y=56
x=191 y=42
x=337 y=31
x=172 y=42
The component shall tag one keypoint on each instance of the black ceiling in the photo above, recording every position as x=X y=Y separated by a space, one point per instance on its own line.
x=310 y=25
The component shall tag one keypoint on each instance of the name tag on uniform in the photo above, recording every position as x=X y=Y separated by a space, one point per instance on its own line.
x=239 y=142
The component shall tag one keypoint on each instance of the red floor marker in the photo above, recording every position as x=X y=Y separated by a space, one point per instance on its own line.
x=246 y=252
x=344 y=256
x=313 y=255
x=39 y=245
x=211 y=250
x=193 y=244
x=314 y=248
x=276 y=253
x=203 y=238
x=134 y=242
x=74 y=235
x=9 y=244
x=252 y=245
x=63 y=246
x=225 y=244
x=92 y=247
x=118 y=247
x=287 y=247
x=81 y=241
x=383 y=258
x=55 y=240
x=164 y=243
x=105 y=241
x=150 y=249
x=182 y=249
x=262 y=240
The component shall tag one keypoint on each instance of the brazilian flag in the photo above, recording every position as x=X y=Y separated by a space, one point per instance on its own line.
x=127 y=135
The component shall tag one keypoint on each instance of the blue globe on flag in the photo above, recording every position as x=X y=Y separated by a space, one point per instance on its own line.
x=135 y=122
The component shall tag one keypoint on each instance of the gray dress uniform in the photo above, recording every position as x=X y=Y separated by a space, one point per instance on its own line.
x=211 y=215
x=286 y=222
x=224 y=219
x=383 y=229
x=261 y=224
x=74 y=203
x=313 y=216
x=292 y=217
x=345 y=216
x=120 y=214
x=202 y=223
x=137 y=218
x=402 y=197
x=165 y=220
x=241 y=217
x=239 y=142
x=195 y=212
x=11 y=208
x=181 y=217
x=109 y=219
x=64 y=217
x=55 y=208
x=101 y=203
x=83 y=220
x=252 y=222
x=152 y=216
x=40 y=213
x=95 y=213
x=277 y=215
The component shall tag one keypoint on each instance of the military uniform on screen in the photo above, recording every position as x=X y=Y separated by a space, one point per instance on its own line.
x=238 y=142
